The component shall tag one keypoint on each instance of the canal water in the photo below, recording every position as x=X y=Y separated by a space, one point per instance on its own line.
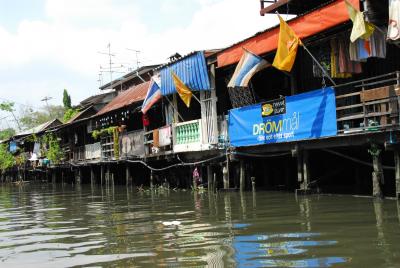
x=67 y=226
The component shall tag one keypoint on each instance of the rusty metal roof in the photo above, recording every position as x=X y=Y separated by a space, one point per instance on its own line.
x=126 y=98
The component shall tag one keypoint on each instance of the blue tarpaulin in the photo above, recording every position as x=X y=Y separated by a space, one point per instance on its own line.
x=309 y=115
x=192 y=70
x=13 y=147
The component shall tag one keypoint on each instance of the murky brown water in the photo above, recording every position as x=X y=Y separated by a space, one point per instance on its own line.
x=46 y=226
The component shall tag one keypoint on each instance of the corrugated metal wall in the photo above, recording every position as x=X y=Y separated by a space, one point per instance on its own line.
x=192 y=70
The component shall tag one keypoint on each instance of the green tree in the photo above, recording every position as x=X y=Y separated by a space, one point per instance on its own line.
x=30 y=118
x=7 y=133
x=54 y=152
x=69 y=114
x=8 y=106
x=6 y=158
x=66 y=100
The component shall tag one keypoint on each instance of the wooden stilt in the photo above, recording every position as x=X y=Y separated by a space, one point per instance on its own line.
x=101 y=174
x=128 y=176
x=253 y=184
x=214 y=183
x=306 y=172
x=242 y=175
x=209 y=178
x=300 y=178
x=225 y=176
x=151 y=179
x=377 y=174
x=92 y=178
x=78 y=176
x=303 y=172
x=397 y=172
x=194 y=183
x=53 y=176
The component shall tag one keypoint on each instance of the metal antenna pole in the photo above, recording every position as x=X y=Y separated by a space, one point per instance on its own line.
x=110 y=55
x=137 y=63
x=46 y=99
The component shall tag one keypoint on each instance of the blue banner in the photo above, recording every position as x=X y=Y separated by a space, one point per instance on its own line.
x=308 y=116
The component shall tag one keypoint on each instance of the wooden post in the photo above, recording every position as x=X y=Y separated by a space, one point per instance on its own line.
x=214 y=183
x=128 y=176
x=225 y=176
x=377 y=174
x=305 y=185
x=242 y=175
x=151 y=179
x=92 y=179
x=300 y=178
x=209 y=178
x=397 y=172
x=101 y=174
x=53 y=176
x=253 y=184
x=108 y=176
x=79 y=177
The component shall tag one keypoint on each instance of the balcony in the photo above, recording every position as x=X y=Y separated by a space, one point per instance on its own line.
x=368 y=105
x=93 y=151
x=78 y=154
x=188 y=137
x=158 y=141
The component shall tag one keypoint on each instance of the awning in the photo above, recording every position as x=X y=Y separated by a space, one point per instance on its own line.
x=307 y=25
x=192 y=70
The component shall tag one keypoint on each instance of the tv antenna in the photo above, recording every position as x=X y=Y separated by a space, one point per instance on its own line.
x=110 y=55
x=137 y=62
x=46 y=99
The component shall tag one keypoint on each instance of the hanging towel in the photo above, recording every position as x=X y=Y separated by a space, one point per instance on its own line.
x=394 y=20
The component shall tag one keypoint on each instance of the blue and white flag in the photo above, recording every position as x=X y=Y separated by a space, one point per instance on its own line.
x=248 y=65
x=153 y=95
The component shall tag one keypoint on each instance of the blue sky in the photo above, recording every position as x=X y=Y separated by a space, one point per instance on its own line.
x=49 y=45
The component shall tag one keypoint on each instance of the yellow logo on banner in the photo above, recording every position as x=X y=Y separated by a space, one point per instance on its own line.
x=267 y=109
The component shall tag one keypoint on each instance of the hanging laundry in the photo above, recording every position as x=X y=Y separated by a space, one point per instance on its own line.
x=345 y=64
x=375 y=46
x=341 y=64
x=394 y=20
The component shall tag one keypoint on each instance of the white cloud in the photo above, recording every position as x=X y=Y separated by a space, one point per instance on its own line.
x=74 y=31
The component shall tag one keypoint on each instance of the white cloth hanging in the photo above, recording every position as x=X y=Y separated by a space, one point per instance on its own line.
x=394 y=20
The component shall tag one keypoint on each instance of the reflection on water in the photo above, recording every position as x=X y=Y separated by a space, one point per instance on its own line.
x=65 y=226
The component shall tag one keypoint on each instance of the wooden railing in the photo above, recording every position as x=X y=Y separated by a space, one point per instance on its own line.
x=78 y=154
x=93 y=151
x=368 y=105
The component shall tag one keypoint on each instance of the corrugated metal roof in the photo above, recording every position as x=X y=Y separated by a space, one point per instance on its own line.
x=39 y=128
x=128 y=97
x=192 y=70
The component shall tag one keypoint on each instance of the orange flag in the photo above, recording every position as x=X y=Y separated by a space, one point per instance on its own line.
x=287 y=47
x=184 y=92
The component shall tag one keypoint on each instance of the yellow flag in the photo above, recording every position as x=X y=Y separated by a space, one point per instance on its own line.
x=287 y=47
x=184 y=92
x=361 y=28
